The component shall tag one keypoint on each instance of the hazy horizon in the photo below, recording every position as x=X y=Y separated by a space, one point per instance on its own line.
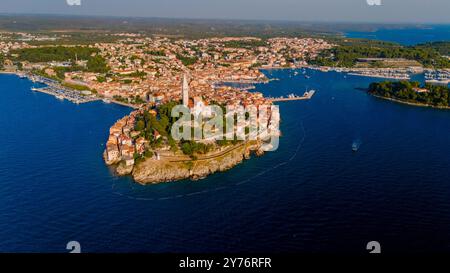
x=322 y=11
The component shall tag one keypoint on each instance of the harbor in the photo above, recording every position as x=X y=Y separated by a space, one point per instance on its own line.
x=66 y=94
x=55 y=89
x=437 y=76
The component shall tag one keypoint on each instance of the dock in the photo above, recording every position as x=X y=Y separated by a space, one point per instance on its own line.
x=70 y=95
x=54 y=88
x=307 y=96
x=125 y=104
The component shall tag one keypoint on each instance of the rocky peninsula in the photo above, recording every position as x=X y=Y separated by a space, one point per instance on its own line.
x=142 y=146
x=167 y=170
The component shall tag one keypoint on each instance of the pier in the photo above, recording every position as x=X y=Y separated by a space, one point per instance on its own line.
x=307 y=96
x=125 y=104
x=72 y=96
x=54 y=88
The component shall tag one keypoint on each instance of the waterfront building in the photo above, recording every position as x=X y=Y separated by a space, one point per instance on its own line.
x=129 y=161
x=112 y=152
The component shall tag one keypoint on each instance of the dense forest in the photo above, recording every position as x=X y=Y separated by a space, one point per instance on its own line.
x=56 y=53
x=347 y=53
x=408 y=91
x=168 y=27
x=95 y=63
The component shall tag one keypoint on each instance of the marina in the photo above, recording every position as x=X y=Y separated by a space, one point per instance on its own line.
x=53 y=88
x=437 y=76
x=292 y=97
x=384 y=75
x=66 y=94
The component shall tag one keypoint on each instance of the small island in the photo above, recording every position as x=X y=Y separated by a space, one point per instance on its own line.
x=412 y=93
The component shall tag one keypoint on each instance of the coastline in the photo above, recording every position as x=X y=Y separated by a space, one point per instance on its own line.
x=379 y=76
x=153 y=171
x=175 y=168
x=8 y=73
x=411 y=103
x=18 y=73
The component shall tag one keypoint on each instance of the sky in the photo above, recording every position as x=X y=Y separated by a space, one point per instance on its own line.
x=390 y=11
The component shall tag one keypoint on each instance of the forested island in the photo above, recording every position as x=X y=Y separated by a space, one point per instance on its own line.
x=412 y=93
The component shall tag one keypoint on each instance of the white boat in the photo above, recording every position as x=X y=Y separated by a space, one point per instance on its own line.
x=355 y=146
x=106 y=100
x=59 y=97
x=309 y=94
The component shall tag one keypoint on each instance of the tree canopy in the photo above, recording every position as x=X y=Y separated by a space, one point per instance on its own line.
x=407 y=91
x=347 y=55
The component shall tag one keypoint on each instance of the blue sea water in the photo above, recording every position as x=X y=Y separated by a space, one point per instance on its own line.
x=314 y=194
x=406 y=36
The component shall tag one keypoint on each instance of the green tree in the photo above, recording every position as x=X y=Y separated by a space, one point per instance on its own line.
x=140 y=125
x=97 y=64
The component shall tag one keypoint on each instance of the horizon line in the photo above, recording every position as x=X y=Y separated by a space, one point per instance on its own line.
x=225 y=19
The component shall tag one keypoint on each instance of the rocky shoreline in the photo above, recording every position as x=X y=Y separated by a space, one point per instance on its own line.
x=152 y=171
x=411 y=103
